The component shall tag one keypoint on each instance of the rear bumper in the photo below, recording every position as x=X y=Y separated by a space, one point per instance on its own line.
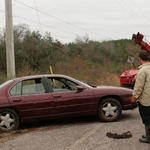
x=130 y=106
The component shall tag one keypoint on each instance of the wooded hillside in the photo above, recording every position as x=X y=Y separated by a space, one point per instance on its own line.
x=98 y=63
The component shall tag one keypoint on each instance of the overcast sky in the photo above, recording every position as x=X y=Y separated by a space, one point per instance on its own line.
x=67 y=19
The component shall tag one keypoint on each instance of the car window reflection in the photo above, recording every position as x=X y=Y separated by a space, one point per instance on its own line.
x=62 y=85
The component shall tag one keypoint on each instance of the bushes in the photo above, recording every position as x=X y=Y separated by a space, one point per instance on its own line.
x=90 y=61
x=3 y=77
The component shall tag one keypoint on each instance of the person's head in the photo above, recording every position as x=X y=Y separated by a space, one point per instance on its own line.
x=144 y=57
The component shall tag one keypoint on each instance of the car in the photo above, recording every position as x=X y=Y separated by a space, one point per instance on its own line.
x=128 y=78
x=45 y=97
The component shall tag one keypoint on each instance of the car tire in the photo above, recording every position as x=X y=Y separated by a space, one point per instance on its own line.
x=109 y=110
x=9 y=120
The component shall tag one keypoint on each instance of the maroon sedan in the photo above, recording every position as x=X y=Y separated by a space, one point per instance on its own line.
x=40 y=97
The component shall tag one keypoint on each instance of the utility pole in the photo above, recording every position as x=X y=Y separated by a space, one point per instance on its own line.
x=9 y=40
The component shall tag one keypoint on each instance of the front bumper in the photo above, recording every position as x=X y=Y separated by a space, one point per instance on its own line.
x=130 y=106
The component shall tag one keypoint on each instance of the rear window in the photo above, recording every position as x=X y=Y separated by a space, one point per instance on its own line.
x=5 y=83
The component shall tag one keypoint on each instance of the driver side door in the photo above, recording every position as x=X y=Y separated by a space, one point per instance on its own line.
x=68 y=100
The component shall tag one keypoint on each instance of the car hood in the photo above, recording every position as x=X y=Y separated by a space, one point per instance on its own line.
x=114 y=90
x=129 y=73
x=114 y=87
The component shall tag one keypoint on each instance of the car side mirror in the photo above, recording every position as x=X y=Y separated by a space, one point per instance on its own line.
x=80 y=88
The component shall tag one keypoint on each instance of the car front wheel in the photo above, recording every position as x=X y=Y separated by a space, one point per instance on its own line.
x=109 y=110
x=9 y=120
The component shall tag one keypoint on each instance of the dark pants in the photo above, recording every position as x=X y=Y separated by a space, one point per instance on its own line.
x=145 y=114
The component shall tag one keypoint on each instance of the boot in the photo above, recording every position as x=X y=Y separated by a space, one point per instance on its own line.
x=147 y=138
x=143 y=136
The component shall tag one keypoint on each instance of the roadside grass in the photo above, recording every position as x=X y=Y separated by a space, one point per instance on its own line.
x=3 y=77
x=92 y=76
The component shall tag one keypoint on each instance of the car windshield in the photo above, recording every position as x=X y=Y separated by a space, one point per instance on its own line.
x=87 y=85
x=84 y=84
x=5 y=83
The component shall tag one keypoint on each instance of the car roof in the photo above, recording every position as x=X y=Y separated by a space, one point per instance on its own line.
x=39 y=76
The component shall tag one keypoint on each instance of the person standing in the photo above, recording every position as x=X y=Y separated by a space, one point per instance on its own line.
x=141 y=93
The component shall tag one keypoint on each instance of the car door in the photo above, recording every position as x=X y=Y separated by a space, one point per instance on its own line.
x=70 y=101
x=31 y=99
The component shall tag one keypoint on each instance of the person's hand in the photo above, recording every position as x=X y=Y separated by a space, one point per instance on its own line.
x=133 y=100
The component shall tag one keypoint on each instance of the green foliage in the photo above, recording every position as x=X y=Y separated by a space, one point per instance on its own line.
x=90 y=61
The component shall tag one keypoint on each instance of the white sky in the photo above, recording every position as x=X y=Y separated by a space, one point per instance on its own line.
x=99 y=19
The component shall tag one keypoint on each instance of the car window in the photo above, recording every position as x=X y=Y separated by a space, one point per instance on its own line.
x=62 y=85
x=16 y=90
x=72 y=85
x=31 y=87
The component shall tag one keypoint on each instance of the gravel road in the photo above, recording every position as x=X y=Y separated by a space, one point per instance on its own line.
x=82 y=134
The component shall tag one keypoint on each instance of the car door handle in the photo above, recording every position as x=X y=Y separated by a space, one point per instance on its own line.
x=57 y=96
x=17 y=100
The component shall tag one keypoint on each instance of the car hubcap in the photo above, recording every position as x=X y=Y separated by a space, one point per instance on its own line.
x=6 y=121
x=109 y=110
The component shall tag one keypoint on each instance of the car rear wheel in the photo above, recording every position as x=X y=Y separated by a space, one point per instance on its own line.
x=109 y=110
x=9 y=120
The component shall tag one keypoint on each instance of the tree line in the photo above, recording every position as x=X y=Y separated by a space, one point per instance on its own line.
x=84 y=59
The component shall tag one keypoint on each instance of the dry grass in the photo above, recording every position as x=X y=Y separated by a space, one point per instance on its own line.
x=111 y=80
x=3 y=77
x=93 y=74
x=88 y=73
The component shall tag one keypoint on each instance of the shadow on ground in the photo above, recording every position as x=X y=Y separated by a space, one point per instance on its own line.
x=61 y=122
x=128 y=116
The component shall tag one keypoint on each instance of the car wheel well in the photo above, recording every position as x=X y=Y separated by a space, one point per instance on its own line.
x=112 y=96
x=109 y=108
x=12 y=108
